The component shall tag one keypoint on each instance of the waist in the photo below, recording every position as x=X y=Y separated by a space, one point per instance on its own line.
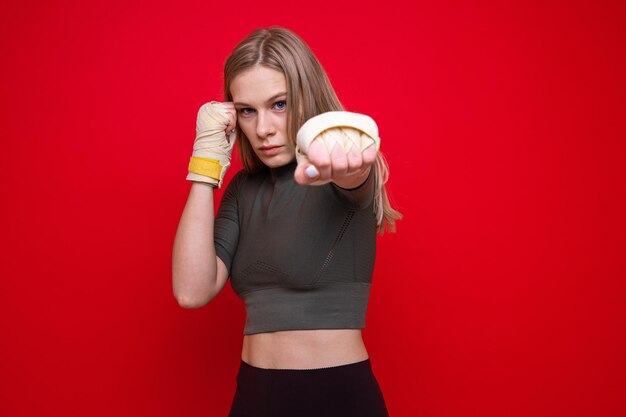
x=330 y=305
x=304 y=349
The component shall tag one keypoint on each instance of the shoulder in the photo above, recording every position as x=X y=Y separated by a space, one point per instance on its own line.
x=244 y=180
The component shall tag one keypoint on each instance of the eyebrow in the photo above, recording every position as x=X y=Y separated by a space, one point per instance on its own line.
x=274 y=97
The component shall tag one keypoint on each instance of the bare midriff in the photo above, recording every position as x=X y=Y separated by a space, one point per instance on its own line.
x=304 y=349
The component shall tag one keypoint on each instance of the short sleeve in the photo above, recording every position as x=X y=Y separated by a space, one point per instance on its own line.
x=226 y=229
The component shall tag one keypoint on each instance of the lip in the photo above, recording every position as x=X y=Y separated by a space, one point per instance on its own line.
x=270 y=150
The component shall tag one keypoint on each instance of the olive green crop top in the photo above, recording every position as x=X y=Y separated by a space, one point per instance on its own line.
x=300 y=257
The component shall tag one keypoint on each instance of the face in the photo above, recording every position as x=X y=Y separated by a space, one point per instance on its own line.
x=260 y=97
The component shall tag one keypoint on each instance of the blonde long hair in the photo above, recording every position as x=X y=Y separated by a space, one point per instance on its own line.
x=308 y=89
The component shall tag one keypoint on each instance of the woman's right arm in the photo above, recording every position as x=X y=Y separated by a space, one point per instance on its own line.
x=198 y=274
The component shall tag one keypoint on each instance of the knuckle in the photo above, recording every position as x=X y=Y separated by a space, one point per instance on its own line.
x=354 y=159
x=323 y=163
x=369 y=156
x=340 y=166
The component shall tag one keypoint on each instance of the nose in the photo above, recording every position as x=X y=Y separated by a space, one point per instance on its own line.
x=264 y=125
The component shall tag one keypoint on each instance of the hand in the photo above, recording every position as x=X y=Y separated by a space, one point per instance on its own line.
x=215 y=138
x=336 y=146
x=232 y=115
x=347 y=170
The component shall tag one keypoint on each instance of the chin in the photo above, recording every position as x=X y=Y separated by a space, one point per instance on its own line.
x=278 y=160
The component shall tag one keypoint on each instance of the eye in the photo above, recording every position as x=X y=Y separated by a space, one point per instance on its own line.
x=280 y=105
x=246 y=111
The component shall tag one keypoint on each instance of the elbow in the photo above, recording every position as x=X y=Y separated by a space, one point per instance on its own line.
x=189 y=297
x=187 y=301
x=192 y=289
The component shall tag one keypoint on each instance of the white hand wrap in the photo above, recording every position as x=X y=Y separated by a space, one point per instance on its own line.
x=337 y=128
x=211 y=149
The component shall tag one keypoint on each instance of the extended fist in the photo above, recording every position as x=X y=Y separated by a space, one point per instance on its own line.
x=336 y=146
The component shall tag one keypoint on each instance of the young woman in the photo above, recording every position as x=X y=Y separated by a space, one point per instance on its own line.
x=296 y=238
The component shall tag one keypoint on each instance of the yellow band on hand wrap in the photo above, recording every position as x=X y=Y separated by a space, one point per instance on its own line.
x=205 y=166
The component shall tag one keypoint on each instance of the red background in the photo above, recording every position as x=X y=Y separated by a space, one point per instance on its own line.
x=502 y=294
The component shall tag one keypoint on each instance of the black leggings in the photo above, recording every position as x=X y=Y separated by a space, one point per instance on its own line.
x=342 y=391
